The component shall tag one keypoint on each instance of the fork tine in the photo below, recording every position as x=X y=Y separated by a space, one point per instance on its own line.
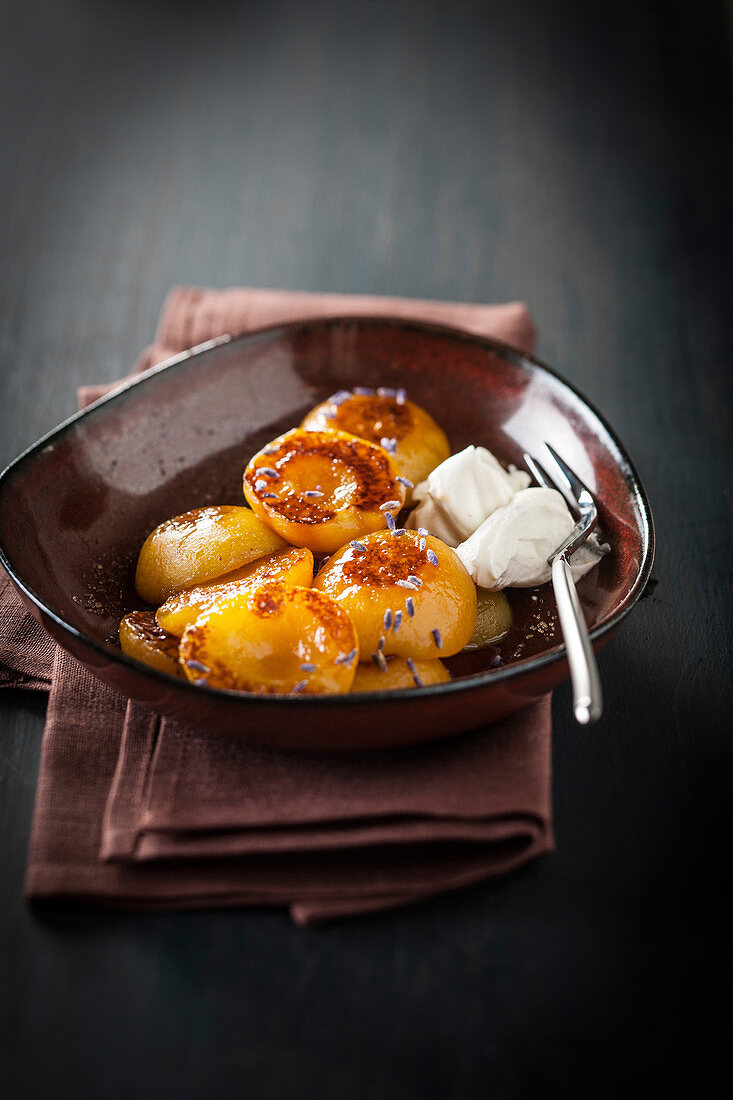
x=575 y=485
x=543 y=479
x=538 y=472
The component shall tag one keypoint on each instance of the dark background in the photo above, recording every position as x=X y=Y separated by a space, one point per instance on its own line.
x=575 y=155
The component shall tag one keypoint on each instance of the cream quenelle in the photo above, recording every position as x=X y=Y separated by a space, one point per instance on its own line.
x=510 y=549
x=461 y=492
x=502 y=530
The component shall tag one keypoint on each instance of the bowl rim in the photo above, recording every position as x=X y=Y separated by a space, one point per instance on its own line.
x=458 y=686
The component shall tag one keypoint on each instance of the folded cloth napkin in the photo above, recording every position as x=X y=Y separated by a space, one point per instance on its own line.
x=136 y=810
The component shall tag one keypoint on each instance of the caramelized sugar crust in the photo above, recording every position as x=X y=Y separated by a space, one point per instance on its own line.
x=142 y=637
x=352 y=472
x=276 y=639
x=370 y=416
x=389 y=560
x=293 y=566
x=408 y=432
x=407 y=594
x=144 y=627
x=273 y=600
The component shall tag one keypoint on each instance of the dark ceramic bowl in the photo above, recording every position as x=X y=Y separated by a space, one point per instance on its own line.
x=76 y=507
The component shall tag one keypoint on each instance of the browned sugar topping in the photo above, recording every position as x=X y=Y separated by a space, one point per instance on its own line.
x=386 y=561
x=145 y=626
x=271 y=599
x=268 y=601
x=369 y=471
x=373 y=417
x=333 y=618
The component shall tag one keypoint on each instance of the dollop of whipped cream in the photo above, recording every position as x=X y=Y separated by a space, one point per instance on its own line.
x=461 y=492
x=511 y=547
x=502 y=530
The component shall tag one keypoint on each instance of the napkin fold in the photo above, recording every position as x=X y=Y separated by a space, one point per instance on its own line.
x=135 y=810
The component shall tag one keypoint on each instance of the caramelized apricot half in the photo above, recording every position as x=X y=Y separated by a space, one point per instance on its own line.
x=407 y=593
x=142 y=637
x=398 y=672
x=275 y=639
x=200 y=546
x=493 y=618
x=321 y=489
x=385 y=417
x=294 y=567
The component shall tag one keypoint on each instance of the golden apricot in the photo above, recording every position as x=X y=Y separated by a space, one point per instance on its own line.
x=200 y=546
x=407 y=593
x=321 y=489
x=142 y=637
x=274 y=639
x=493 y=618
x=385 y=417
x=398 y=673
x=294 y=567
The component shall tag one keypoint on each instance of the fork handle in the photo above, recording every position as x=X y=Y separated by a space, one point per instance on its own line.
x=587 y=695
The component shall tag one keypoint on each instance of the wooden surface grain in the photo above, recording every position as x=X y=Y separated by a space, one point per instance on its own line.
x=573 y=155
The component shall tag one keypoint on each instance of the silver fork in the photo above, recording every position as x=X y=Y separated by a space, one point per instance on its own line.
x=587 y=694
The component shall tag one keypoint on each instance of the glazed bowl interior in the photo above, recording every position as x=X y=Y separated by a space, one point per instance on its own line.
x=76 y=507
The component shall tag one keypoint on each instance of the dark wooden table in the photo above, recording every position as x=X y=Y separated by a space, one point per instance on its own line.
x=577 y=156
